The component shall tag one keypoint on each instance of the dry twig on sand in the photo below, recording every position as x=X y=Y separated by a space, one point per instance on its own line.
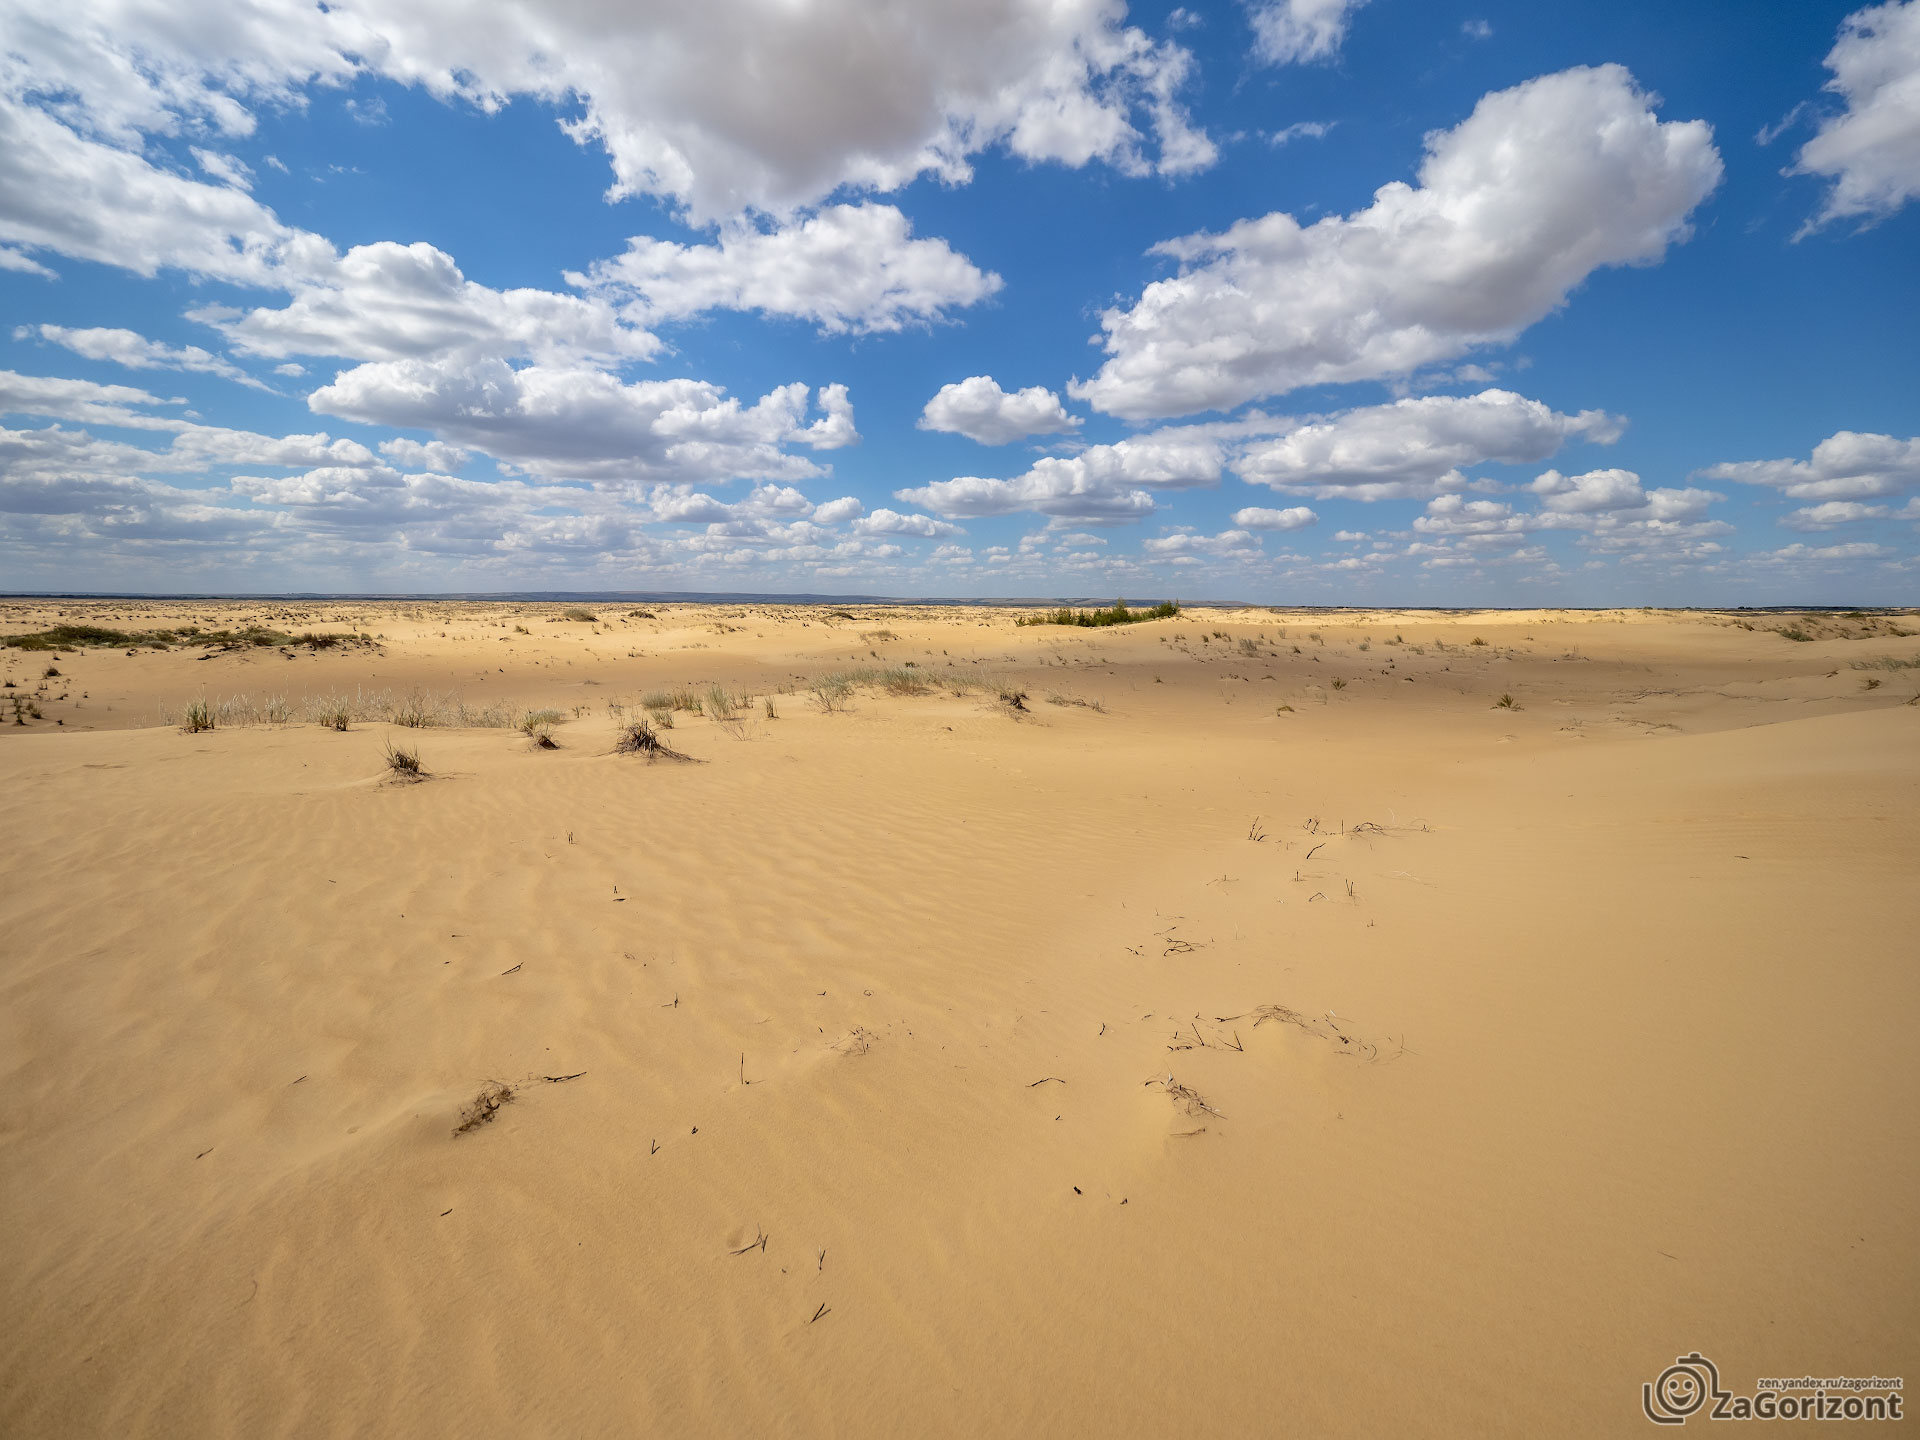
x=1186 y=1099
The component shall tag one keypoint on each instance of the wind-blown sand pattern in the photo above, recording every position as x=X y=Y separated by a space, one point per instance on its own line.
x=1276 y=1036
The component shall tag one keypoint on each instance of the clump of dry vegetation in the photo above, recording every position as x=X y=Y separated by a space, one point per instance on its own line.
x=404 y=764
x=638 y=737
x=484 y=1106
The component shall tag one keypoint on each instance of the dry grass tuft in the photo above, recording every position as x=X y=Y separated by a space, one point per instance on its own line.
x=404 y=764
x=638 y=737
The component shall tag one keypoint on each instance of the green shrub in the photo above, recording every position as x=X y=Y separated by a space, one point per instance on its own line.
x=1118 y=615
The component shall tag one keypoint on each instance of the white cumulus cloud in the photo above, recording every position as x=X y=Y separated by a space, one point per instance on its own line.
x=1415 y=446
x=1103 y=483
x=136 y=352
x=854 y=268
x=719 y=108
x=892 y=522
x=980 y=410
x=561 y=422
x=1871 y=151
x=1542 y=185
x=1294 y=517
x=387 y=301
x=1847 y=465
x=1290 y=32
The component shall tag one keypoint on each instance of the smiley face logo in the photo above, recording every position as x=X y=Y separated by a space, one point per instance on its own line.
x=1682 y=1389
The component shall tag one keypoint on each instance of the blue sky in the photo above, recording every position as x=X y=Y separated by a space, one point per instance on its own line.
x=1296 y=300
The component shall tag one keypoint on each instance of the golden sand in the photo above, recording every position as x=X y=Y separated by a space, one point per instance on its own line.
x=1258 y=1038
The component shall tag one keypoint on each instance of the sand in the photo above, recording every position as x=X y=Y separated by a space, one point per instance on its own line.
x=1288 y=1042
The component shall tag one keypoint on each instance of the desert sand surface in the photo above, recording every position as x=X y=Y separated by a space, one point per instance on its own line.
x=1257 y=1030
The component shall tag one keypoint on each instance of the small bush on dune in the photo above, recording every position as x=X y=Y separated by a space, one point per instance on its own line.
x=404 y=764
x=576 y=612
x=637 y=737
x=539 y=720
x=199 y=716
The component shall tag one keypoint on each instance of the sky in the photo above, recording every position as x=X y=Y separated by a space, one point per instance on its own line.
x=1367 y=302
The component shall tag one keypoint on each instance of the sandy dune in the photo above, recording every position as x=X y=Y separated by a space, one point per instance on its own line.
x=1277 y=1038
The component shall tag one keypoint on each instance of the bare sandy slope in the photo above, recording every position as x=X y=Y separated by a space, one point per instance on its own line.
x=1391 y=1063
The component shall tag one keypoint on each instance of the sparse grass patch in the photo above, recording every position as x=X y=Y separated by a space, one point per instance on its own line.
x=1249 y=647
x=1794 y=632
x=578 y=612
x=720 y=705
x=772 y=714
x=334 y=712
x=831 y=693
x=535 y=720
x=1506 y=702
x=198 y=716
x=1886 y=662
x=878 y=637
x=1013 y=699
x=682 y=698
x=1339 y=684
x=1476 y=641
